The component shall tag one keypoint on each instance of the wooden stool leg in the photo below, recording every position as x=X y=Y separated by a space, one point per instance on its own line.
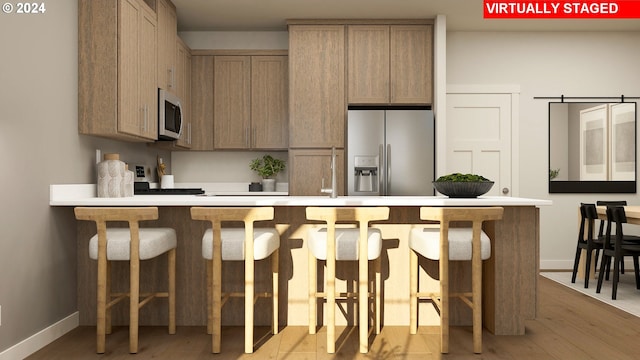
x=444 y=292
x=172 y=290
x=108 y=299
x=378 y=315
x=134 y=299
x=363 y=300
x=209 y=266
x=331 y=299
x=477 y=308
x=216 y=300
x=275 y=263
x=101 y=311
x=313 y=287
x=248 y=302
x=413 y=292
x=476 y=284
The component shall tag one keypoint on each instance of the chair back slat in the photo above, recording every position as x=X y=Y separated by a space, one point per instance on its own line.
x=475 y=214
x=608 y=203
x=247 y=215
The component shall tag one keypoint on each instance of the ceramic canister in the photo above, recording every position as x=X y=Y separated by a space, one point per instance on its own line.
x=111 y=172
x=127 y=182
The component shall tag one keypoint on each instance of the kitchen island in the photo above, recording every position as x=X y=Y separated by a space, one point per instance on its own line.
x=509 y=277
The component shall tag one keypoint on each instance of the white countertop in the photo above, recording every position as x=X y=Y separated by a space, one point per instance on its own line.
x=85 y=195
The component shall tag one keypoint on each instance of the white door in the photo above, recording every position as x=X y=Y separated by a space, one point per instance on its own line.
x=479 y=137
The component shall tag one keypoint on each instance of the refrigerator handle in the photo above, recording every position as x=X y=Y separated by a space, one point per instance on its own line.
x=382 y=188
x=388 y=192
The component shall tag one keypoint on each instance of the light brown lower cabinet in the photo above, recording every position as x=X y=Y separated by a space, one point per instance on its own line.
x=307 y=168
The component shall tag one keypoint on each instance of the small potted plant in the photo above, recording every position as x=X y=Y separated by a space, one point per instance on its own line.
x=267 y=167
x=457 y=185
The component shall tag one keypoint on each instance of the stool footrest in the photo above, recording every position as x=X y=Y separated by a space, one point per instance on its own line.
x=343 y=295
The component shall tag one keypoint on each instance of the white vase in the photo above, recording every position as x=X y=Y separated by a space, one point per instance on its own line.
x=111 y=172
x=269 y=185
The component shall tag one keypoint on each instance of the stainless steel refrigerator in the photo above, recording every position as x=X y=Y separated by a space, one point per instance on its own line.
x=390 y=152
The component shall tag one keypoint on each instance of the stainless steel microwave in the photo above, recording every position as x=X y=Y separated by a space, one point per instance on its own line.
x=169 y=116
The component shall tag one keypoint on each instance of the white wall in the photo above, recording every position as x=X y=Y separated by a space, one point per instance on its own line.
x=548 y=64
x=40 y=145
x=220 y=166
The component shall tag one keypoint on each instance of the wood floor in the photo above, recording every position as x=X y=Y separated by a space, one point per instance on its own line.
x=570 y=326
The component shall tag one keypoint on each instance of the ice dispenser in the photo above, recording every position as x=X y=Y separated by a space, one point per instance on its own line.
x=366 y=174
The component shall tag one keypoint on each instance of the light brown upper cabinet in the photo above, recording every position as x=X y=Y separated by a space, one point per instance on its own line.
x=202 y=102
x=390 y=64
x=316 y=86
x=250 y=102
x=269 y=102
x=117 y=70
x=183 y=90
x=167 y=53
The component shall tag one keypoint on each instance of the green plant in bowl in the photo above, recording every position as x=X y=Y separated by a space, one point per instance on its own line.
x=459 y=185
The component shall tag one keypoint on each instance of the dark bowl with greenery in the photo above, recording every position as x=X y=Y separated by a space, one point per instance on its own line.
x=459 y=185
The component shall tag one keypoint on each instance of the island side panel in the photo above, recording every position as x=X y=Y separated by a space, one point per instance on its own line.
x=510 y=275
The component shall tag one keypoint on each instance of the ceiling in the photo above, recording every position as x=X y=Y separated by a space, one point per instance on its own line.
x=461 y=15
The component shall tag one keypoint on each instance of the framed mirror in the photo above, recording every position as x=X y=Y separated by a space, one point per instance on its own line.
x=592 y=147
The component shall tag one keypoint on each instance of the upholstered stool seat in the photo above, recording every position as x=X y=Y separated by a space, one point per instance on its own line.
x=345 y=244
x=131 y=244
x=265 y=242
x=246 y=244
x=446 y=244
x=153 y=242
x=426 y=242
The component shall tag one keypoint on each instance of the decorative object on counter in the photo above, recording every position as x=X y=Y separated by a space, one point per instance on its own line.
x=127 y=182
x=255 y=186
x=553 y=173
x=459 y=185
x=111 y=174
x=161 y=169
x=267 y=167
x=167 y=181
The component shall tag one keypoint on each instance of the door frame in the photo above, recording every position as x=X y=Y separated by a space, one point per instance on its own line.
x=441 y=128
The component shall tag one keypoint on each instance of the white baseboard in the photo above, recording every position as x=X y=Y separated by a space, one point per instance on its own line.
x=41 y=339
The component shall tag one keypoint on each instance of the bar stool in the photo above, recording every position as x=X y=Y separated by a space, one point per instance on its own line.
x=131 y=244
x=331 y=244
x=451 y=244
x=237 y=244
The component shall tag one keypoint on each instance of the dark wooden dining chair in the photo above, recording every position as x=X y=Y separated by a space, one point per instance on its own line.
x=632 y=239
x=586 y=242
x=615 y=248
x=601 y=230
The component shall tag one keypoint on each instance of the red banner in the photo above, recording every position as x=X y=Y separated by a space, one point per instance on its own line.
x=494 y=9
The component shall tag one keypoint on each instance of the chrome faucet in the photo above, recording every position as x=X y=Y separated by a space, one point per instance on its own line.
x=333 y=190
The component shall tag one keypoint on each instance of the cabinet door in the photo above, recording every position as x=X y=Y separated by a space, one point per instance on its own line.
x=167 y=32
x=307 y=168
x=183 y=90
x=269 y=102
x=411 y=64
x=368 y=64
x=316 y=86
x=137 y=93
x=148 y=71
x=130 y=111
x=231 y=102
x=202 y=102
